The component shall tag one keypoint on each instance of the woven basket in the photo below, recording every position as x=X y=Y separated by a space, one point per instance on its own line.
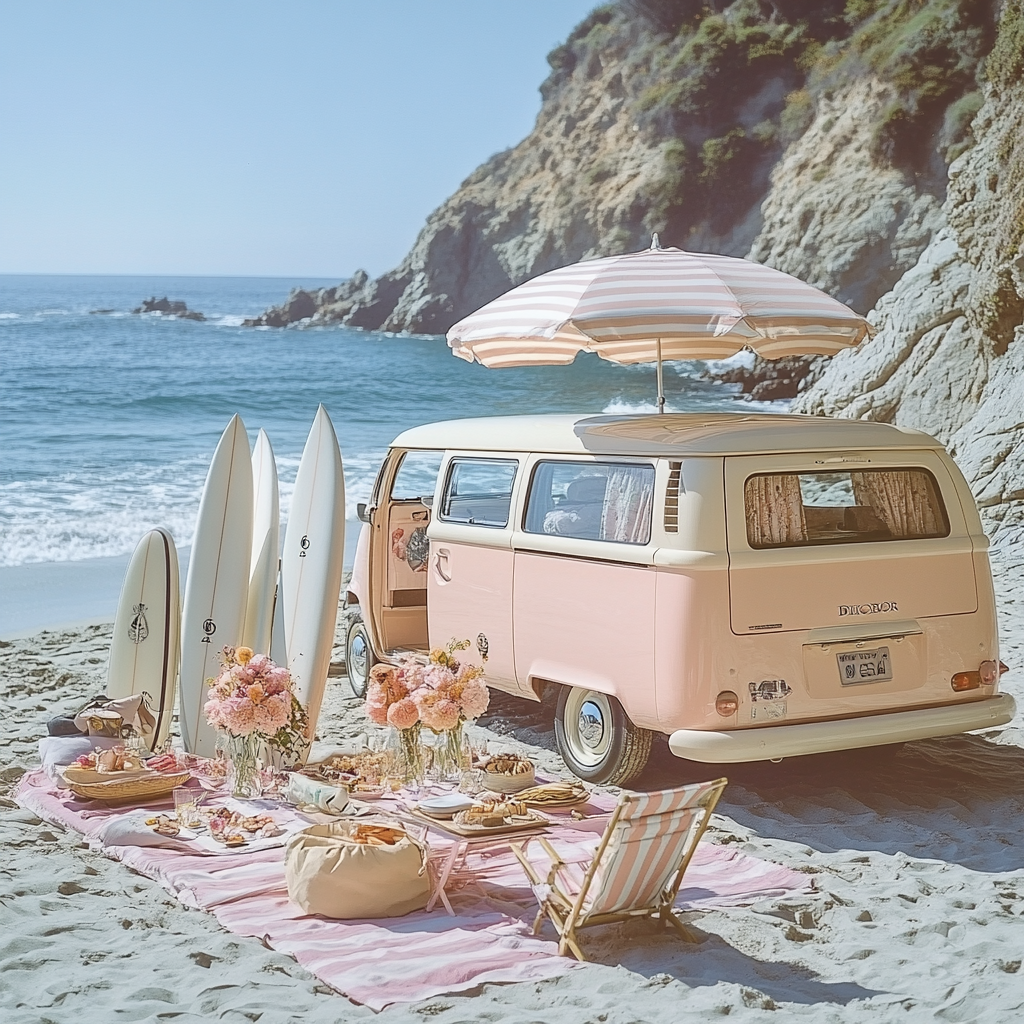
x=137 y=788
x=498 y=783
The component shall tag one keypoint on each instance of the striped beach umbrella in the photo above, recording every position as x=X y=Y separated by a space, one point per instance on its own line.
x=655 y=305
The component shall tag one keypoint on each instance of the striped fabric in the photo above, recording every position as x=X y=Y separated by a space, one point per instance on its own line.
x=653 y=833
x=700 y=306
x=420 y=955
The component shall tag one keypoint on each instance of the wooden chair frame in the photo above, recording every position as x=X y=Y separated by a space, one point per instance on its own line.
x=567 y=913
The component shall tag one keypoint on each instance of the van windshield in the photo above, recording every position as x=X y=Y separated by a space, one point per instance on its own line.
x=795 y=509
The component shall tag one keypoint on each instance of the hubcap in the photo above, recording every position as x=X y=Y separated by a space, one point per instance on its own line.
x=357 y=657
x=588 y=726
x=591 y=725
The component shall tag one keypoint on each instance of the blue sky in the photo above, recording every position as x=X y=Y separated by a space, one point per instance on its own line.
x=294 y=138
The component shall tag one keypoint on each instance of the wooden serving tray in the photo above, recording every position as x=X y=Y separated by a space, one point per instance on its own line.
x=522 y=824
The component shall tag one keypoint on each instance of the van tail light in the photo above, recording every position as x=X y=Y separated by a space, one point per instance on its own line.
x=727 y=703
x=989 y=672
x=965 y=681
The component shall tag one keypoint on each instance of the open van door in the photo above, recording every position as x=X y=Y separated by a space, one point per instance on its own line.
x=399 y=550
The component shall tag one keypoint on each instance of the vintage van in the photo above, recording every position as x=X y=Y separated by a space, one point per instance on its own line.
x=753 y=586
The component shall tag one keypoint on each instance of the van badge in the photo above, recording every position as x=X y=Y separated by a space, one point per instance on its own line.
x=868 y=609
x=769 y=689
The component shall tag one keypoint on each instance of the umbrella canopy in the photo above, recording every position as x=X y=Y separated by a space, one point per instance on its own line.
x=654 y=305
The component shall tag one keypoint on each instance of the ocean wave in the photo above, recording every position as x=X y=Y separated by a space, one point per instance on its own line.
x=76 y=515
x=620 y=407
x=228 y=320
x=10 y=316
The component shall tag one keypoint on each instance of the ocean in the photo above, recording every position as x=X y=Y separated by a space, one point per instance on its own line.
x=108 y=419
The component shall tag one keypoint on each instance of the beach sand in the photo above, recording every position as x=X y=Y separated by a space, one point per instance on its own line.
x=917 y=857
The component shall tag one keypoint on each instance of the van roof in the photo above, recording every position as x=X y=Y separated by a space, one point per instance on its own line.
x=668 y=434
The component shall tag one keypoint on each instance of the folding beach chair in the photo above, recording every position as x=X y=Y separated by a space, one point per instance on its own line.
x=637 y=867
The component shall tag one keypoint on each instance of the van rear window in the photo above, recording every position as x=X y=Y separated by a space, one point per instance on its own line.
x=609 y=501
x=797 y=509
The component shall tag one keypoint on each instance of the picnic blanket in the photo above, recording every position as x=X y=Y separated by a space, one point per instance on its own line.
x=400 y=959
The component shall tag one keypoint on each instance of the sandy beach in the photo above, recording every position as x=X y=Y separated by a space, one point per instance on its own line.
x=916 y=858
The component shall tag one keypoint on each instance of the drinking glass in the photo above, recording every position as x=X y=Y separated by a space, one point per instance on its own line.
x=186 y=807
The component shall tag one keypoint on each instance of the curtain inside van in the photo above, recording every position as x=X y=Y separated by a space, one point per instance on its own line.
x=774 y=510
x=904 y=500
x=629 y=497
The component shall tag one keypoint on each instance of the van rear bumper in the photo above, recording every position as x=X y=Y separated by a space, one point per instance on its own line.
x=776 y=741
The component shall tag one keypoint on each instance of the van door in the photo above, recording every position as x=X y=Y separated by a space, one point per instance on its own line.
x=844 y=540
x=469 y=581
x=584 y=583
x=399 y=549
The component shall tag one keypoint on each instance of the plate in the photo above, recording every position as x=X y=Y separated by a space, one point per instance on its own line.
x=873 y=666
x=446 y=805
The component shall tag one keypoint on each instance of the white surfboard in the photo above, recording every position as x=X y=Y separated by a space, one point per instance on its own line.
x=266 y=543
x=311 y=564
x=144 y=649
x=217 y=587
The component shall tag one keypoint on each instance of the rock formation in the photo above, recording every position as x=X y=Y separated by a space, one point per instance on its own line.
x=948 y=357
x=684 y=130
x=168 y=307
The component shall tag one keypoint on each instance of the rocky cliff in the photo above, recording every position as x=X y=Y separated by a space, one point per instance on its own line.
x=949 y=353
x=813 y=134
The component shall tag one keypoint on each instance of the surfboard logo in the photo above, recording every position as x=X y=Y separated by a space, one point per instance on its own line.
x=209 y=628
x=304 y=544
x=138 y=628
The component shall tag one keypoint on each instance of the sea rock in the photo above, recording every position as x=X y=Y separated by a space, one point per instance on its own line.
x=949 y=353
x=771 y=380
x=168 y=307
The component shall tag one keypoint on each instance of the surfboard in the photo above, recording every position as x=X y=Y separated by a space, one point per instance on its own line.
x=217 y=586
x=145 y=647
x=311 y=564
x=266 y=543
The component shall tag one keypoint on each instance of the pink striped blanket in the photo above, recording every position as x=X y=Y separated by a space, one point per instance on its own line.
x=414 y=957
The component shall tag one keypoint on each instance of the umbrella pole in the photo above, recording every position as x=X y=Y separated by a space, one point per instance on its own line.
x=661 y=382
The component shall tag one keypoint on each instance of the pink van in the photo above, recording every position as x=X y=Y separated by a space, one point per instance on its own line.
x=753 y=586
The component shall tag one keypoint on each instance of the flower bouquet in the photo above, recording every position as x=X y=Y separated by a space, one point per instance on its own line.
x=441 y=694
x=251 y=702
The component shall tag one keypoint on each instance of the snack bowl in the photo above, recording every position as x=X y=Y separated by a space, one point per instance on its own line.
x=509 y=773
x=445 y=805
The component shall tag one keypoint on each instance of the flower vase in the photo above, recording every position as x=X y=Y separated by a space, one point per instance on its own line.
x=244 y=766
x=406 y=754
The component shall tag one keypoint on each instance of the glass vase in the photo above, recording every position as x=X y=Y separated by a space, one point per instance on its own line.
x=449 y=760
x=244 y=766
x=406 y=755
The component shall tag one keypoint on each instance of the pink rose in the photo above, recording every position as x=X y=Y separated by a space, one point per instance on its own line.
x=475 y=698
x=260 y=663
x=377 y=712
x=441 y=715
x=403 y=714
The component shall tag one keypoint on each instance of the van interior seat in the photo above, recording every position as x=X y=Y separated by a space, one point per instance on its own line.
x=586 y=489
x=580 y=512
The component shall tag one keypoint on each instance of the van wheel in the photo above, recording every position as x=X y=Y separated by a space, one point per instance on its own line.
x=597 y=740
x=359 y=656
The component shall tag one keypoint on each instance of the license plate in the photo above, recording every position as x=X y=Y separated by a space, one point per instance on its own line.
x=872 y=666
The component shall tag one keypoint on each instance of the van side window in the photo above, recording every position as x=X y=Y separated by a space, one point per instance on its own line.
x=608 y=501
x=479 y=491
x=416 y=476
x=797 y=509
